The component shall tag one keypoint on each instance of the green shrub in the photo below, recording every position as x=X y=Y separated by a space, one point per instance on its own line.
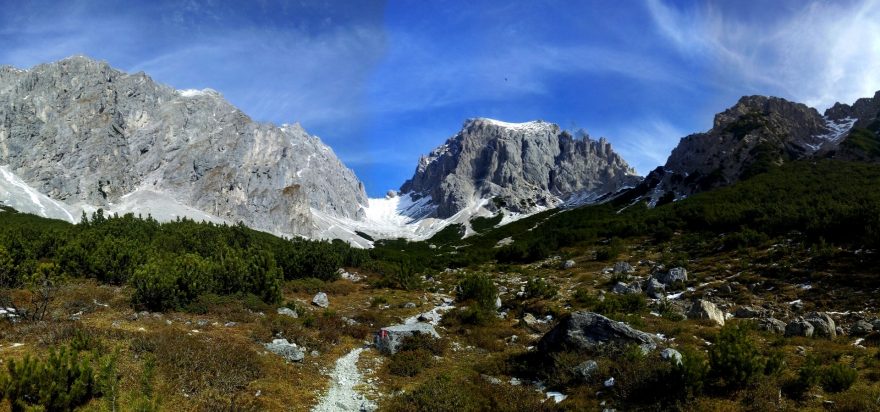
x=618 y=304
x=479 y=289
x=838 y=378
x=538 y=288
x=441 y=394
x=734 y=358
x=60 y=383
x=808 y=376
x=409 y=363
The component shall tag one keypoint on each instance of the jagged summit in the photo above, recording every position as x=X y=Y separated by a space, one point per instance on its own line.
x=520 y=167
x=757 y=133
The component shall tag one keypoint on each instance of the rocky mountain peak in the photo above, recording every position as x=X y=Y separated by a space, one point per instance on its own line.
x=88 y=135
x=521 y=167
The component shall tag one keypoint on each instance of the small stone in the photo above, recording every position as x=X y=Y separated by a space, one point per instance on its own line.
x=609 y=383
x=285 y=311
x=286 y=350
x=530 y=319
x=230 y=324
x=568 y=264
x=321 y=300
x=409 y=305
x=585 y=370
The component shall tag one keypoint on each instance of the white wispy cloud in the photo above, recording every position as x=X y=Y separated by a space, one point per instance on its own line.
x=814 y=52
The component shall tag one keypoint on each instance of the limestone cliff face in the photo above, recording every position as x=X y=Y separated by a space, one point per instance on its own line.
x=520 y=166
x=82 y=132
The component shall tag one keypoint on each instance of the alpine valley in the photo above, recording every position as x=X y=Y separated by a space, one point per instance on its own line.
x=161 y=250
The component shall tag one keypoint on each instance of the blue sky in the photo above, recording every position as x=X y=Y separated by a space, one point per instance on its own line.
x=384 y=82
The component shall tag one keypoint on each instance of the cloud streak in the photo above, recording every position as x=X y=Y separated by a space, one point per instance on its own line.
x=817 y=52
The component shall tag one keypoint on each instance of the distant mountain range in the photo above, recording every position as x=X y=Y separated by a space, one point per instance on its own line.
x=77 y=135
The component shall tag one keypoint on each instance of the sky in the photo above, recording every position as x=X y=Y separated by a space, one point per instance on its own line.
x=383 y=82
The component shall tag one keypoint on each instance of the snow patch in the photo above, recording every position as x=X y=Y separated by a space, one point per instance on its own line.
x=534 y=126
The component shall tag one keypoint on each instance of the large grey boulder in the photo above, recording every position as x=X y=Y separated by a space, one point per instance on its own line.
x=627 y=289
x=623 y=268
x=389 y=339
x=654 y=289
x=861 y=328
x=772 y=325
x=286 y=349
x=523 y=167
x=673 y=275
x=83 y=133
x=799 y=327
x=321 y=300
x=589 y=331
x=823 y=324
x=747 y=312
x=703 y=309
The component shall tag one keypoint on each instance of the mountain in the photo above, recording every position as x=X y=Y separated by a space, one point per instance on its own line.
x=759 y=133
x=77 y=135
x=515 y=167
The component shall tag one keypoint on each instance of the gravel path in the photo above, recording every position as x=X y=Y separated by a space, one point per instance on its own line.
x=342 y=395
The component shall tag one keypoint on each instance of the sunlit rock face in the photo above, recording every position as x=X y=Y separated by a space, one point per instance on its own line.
x=84 y=133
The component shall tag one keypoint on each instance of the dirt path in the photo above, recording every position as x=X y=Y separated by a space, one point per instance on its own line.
x=342 y=395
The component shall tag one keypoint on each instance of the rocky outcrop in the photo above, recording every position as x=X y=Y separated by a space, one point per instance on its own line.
x=751 y=137
x=84 y=133
x=589 y=331
x=703 y=309
x=519 y=167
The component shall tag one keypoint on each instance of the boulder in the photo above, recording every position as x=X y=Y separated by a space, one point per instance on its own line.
x=623 y=268
x=746 y=312
x=624 y=289
x=568 y=264
x=588 y=331
x=321 y=300
x=799 y=327
x=703 y=309
x=389 y=339
x=861 y=328
x=671 y=355
x=823 y=324
x=772 y=325
x=654 y=289
x=530 y=320
x=585 y=370
x=286 y=350
x=672 y=276
x=287 y=312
